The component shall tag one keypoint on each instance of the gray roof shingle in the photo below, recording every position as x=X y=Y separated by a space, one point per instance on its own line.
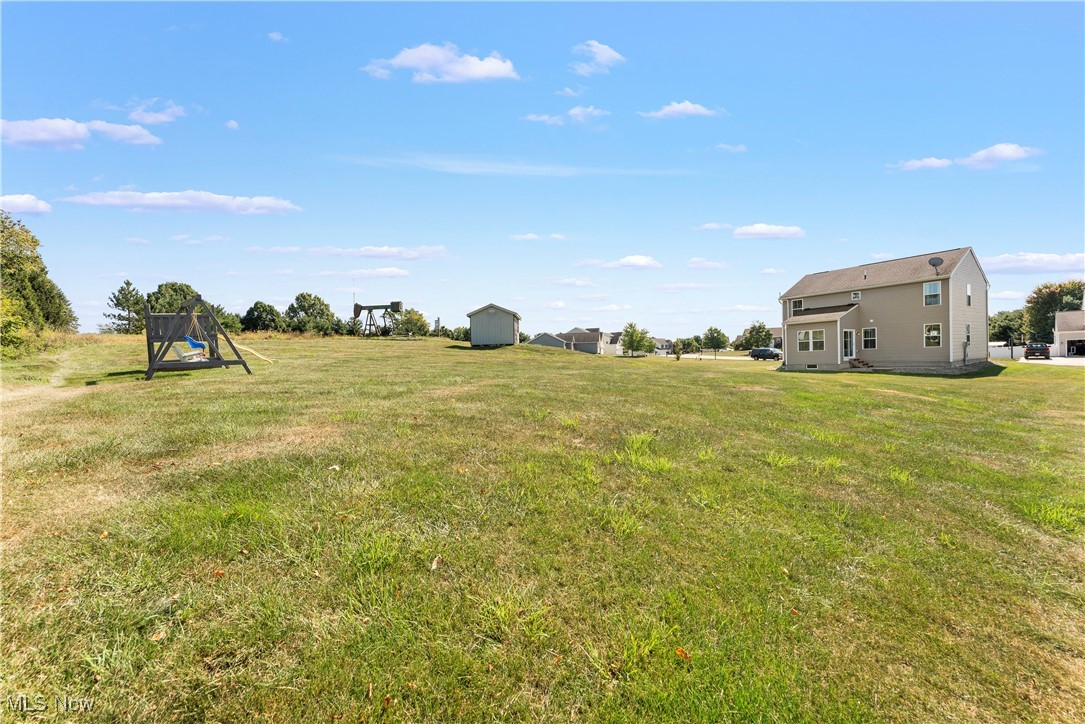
x=877 y=274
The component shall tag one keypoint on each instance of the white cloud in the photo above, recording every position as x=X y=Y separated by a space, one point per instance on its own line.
x=525 y=237
x=773 y=270
x=768 y=231
x=992 y=155
x=712 y=226
x=232 y=125
x=186 y=201
x=1024 y=262
x=986 y=158
x=135 y=135
x=601 y=58
x=922 y=163
x=556 y=305
x=583 y=114
x=685 y=109
x=1008 y=295
x=740 y=148
x=64 y=133
x=558 y=237
x=699 y=262
x=276 y=37
x=473 y=166
x=574 y=282
x=443 y=64
x=24 y=204
x=881 y=255
x=382 y=252
x=380 y=273
x=594 y=297
x=544 y=118
x=745 y=308
x=633 y=261
x=141 y=112
x=685 y=286
x=569 y=92
x=612 y=308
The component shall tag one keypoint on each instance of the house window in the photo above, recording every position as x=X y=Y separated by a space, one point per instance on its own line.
x=932 y=294
x=796 y=305
x=818 y=340
x=856 y=296
x=870 y=338
x=968 y=334
x=804 y=340
x=932 y=335
x=968 y=294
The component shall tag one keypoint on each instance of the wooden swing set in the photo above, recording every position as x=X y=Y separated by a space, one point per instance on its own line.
x=199 y=330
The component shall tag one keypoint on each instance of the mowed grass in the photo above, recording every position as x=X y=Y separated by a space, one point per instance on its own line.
x=421 y=531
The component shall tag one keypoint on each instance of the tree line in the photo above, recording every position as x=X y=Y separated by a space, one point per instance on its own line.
x=30 y=302
x=308 y=313
x=1035 y=322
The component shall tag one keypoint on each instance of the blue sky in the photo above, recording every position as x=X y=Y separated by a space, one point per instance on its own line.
x=585 y=164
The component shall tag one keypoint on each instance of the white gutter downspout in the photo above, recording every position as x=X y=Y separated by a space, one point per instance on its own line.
x=839 y=344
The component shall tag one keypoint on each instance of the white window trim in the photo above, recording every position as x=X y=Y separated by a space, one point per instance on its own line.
x=924 y=290
x=798 y=340
x=968 y=295
x=854 y=346
x=856 y=296
x=813 y=341
x=932 y=346
x=863 y=340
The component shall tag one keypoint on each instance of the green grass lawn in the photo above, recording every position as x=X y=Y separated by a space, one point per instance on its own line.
x=421 y=531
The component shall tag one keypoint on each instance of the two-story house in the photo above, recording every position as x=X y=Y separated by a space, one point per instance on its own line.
x=927 y=311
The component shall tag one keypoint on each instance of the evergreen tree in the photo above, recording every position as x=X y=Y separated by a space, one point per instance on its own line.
x=128 y=315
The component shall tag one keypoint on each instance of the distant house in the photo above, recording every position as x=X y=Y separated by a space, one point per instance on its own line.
x=591 y=340
x=777 y=337
x=1069 y=334
x=493 y=325
x=663 y=346
x=548 y=340
x=928 y=310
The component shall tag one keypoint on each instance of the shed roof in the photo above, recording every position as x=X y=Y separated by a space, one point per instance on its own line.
x=1070 y=321
x=494 y=306
x=833 y=314
x=879 y=274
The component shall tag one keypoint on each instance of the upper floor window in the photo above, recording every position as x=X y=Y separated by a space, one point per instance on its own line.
x=968 y=294
x=796 y=305
x=932 y=335
x=856 y=296
x=932 y=294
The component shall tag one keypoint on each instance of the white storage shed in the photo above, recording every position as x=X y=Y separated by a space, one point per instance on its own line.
x=493 y=325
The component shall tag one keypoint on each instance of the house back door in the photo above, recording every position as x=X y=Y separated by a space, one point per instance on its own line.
x=849 y=344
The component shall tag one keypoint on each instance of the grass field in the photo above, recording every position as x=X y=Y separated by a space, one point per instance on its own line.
x=419 y=531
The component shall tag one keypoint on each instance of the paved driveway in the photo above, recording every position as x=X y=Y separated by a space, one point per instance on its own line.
x=1064 y=361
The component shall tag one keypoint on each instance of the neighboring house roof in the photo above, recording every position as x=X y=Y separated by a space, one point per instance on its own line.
x=660 y=341
x=1070 y=321
x=615 y=338
x=825 y=314
x=580 y=337
x=878 y=274
x=494 y=306
x=546 y=334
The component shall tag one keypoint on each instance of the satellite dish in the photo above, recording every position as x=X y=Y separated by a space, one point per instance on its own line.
x=935 y=261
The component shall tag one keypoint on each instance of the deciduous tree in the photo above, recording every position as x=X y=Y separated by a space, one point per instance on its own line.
x=1008 y=326
x=1044 y=302
x=262 y=317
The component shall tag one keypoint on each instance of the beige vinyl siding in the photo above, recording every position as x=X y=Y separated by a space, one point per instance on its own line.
x=493 y=326
x=968 y=272
x=826 y=359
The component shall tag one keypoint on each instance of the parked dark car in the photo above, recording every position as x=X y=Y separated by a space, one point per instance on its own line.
x=766 y=353
x=1037 y=349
